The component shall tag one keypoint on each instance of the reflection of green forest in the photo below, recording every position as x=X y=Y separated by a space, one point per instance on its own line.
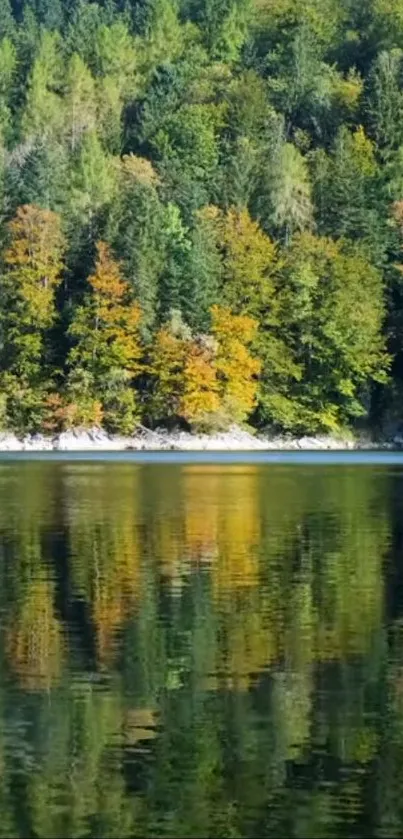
x=199 y=652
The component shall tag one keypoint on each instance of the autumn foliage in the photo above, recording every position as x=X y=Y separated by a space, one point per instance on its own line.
x=206 y=380
x=106 y=352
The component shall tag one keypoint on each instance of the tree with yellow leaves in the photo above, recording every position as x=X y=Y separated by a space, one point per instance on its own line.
x=237 y=368
x=106 y=354
x=208 y=381
x=249 y=263
x=33 y=264
x=184 y=379
x=200 y=401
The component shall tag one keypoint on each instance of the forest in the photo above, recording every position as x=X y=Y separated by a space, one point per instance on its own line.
x=201 y=214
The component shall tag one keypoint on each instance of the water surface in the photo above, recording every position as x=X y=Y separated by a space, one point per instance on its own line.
x=201 y=649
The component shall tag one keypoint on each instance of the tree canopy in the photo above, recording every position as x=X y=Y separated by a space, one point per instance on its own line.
x=205 y=163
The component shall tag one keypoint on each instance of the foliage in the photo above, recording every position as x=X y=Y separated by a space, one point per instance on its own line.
x=236 y=367
x=33 y=261
x=106 y=351
x=240 y=154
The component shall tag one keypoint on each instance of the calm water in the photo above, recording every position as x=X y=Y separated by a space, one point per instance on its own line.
x=202 y=650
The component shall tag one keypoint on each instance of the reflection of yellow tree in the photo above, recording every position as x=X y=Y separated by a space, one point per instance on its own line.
x=34 y=641
x=34 y=634
x=105 y=549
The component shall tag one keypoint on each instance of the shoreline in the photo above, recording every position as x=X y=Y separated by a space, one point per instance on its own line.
x=235 y=439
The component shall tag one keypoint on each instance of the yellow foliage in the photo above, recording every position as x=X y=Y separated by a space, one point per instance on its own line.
x=364 y=152
x=349 y=90
x=86 y=413
x=200 y=392
x=237 y=369
x=250 y=259
x=34 y=642
x=203 y=380
x=34 y=260
x=117 y=317
x=138 y=169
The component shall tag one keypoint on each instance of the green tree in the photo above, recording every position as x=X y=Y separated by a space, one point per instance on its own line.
x=290 y=206
x=331 y=314
x=134 y=230
x=43 y=114
x=385 y=100
x=79 y=102
x=8 y=67
x=347 y=193
x=7 y=22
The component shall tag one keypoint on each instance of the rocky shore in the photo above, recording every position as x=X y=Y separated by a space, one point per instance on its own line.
x=235 y=439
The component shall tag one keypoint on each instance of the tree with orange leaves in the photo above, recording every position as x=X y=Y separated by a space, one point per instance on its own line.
x=106 y=354
x=208 y=381
x=33 y=264
x=184 y=384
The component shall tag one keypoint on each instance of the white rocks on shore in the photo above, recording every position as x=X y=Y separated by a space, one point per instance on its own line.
x=235 y=439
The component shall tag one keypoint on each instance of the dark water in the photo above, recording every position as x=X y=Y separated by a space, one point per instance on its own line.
x=201 y=650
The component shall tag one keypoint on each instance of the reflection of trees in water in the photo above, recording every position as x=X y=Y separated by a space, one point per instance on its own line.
x=240 y=661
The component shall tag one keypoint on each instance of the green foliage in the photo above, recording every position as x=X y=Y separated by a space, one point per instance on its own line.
x=331 y=313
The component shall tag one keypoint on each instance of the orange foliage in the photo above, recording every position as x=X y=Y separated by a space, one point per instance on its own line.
x=115 y=314
x=200 y=379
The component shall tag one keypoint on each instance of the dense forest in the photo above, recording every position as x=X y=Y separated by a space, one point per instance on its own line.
x=202 y=213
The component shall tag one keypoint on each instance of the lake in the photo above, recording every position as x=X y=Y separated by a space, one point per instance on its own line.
x=201 y=648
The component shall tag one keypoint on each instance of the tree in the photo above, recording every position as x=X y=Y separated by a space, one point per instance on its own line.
x=166 y=366
x=331 y=312
x=202 y=271
x=117 y=80
x=33 y=264
x=7 y=22
x=162 y=41
x=187 y=146
x=134 y=230
x=47 y=12
x=346 y=189
x=106 y=351
x=385 y=100
x=43 y=112
x=79 y=101
x=289 y=189
x=8 y=66
x=237 y=369
x=184 y=382
x=36 y=172
x=200 y=401
x=225 y=26
x=249 y=262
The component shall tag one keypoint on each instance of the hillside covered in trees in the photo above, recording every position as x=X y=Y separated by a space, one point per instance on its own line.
x=202 y=213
